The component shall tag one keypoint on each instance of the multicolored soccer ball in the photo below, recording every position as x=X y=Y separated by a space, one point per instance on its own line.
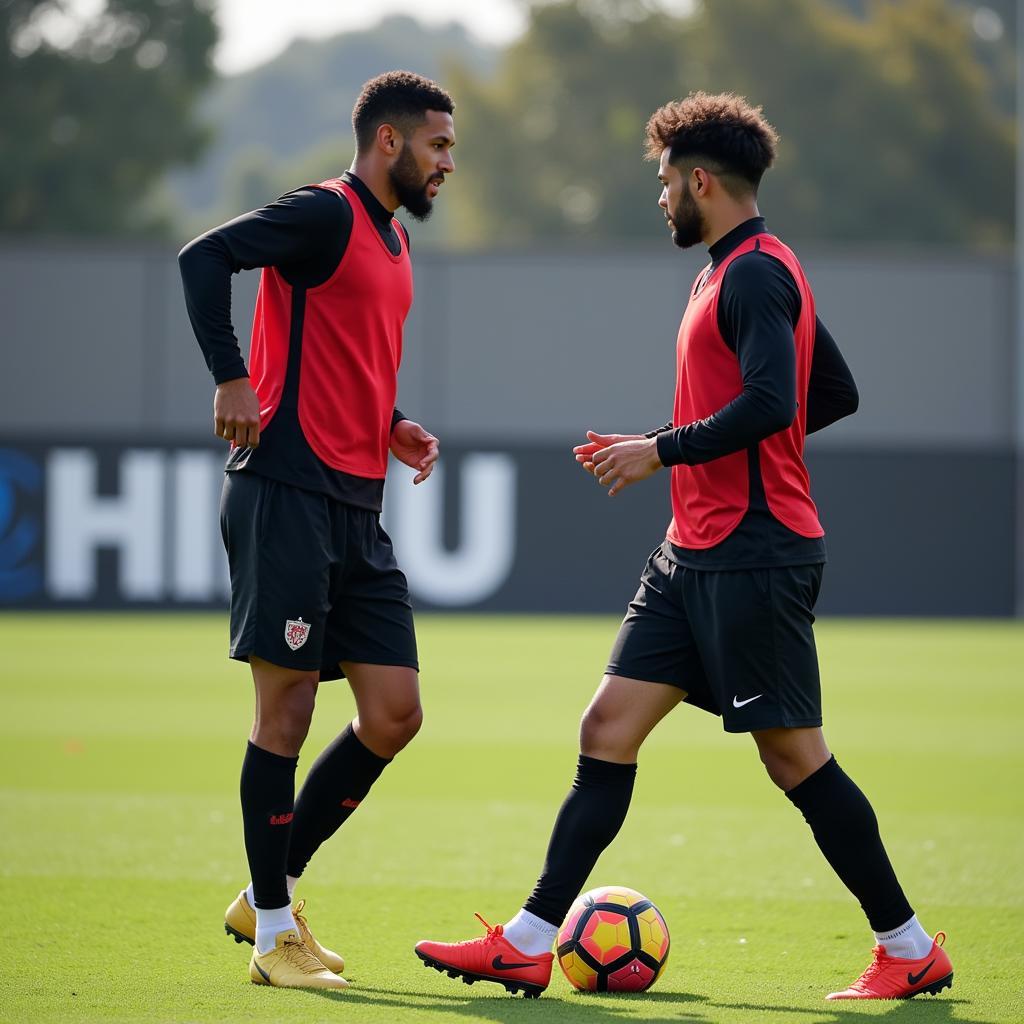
x=613 y=940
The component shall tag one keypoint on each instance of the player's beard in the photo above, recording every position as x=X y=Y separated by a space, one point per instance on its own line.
x=411 y=186
x=687 y=220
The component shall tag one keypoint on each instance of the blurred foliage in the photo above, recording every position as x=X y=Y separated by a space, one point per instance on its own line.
x=890 y=129
x=96 y=108
x=551 y=147
x=896 y=116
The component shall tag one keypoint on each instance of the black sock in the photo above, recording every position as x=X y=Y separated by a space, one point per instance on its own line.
x=338 y=781
x=268 y=792
x=846 y=830
x=589 y=820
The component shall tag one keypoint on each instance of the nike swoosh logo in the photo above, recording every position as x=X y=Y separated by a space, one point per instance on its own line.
x=913 y=979
x=736 y=703
x=499 y=965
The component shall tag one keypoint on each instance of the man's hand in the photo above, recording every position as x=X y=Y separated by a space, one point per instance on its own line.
x=236 y=413
x=595 y=442
x=626 y=462
x=412 y=445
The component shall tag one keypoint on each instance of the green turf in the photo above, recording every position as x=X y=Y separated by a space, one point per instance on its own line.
x=120 y=744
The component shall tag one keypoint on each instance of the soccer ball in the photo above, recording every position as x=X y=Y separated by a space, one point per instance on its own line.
x=613 y=940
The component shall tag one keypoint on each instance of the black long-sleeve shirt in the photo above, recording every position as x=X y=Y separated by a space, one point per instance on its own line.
x=758 y=308
x=304 y=234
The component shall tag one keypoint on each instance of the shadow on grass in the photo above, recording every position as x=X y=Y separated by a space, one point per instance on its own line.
x=580 y=1008
x=678 y=1007
x=933 y=1011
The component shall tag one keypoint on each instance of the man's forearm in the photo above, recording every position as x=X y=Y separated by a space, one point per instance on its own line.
x=745 y=421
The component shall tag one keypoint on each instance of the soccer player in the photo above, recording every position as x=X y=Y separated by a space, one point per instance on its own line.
x=722 y=619
x=316 y=593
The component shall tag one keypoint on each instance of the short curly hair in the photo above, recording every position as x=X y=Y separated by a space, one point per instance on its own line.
x=723 y=129
x=401 y=98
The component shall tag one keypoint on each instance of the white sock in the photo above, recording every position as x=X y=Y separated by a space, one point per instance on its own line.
x=530 y=934
x=270 y=924
x=290 y=881
x=910 y=941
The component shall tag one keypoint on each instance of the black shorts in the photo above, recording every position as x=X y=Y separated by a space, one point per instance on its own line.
x=314 y=582
x=739 y=643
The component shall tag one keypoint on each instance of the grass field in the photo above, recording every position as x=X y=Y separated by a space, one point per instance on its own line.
x=120 y=745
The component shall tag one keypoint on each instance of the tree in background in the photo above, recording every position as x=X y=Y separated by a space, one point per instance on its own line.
x=96 y=109
x=895 y=115
x=551 y=146
x=890 y=129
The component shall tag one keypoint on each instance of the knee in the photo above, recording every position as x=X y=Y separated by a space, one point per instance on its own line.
x=388 y=733
x=789 y=765
x=408 y=726
x=295 y=713
x=282 y=725
x=590 y=727
x=599 y=734
x=779 y=767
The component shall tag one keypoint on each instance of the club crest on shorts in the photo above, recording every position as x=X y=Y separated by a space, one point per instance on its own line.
x=296 y=633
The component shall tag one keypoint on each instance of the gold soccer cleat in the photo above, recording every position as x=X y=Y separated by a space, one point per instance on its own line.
x=240 y=923
x=291 y=965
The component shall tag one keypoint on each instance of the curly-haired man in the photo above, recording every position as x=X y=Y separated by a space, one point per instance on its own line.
x=723 y=616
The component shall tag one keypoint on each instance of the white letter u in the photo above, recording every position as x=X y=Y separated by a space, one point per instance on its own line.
x=478 y=567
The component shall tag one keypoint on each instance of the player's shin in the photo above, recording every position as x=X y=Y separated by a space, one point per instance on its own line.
x=846 y=830
x=337 y=783
x=589 y=819
x=267 y=791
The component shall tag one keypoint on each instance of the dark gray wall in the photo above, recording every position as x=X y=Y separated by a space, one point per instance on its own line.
x=533 y=345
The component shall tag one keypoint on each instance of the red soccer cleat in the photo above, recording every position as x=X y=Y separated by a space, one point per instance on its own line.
x=892 y=977
x=489 y=958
